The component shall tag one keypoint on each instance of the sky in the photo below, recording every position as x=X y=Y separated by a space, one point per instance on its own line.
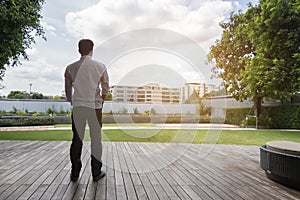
x=140 y=42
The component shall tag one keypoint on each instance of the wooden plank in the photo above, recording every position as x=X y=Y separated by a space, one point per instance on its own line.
x=148 y=187
x=90 y=190
x=40 y=170
x=18 y=192
x=111 y=188
x=180 y=192
x=39 y=192
x=72 y=187
x=128 y=184
x=101 y=192
x=33 y=188
x=59 y=193
x=141 y=193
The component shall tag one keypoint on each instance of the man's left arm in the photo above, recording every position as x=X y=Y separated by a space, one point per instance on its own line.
x=68 y=86
x=104 y=84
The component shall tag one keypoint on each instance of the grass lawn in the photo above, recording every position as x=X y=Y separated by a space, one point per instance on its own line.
x=242 y=137
x=108 y=125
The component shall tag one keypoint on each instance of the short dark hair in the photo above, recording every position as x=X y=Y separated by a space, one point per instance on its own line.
x=85 y=46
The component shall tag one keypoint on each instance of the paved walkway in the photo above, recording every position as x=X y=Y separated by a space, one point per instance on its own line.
x=136 y=126
x=158 y=171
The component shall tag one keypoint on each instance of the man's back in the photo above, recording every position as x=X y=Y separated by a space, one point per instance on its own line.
x=86 y=75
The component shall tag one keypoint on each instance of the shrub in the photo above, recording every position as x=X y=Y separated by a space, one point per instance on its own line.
x=123 y=111
x=35 y=114
x=284 y=116
x=135 y=111
x=20 y=113
x=237 y=115
x=28 y=121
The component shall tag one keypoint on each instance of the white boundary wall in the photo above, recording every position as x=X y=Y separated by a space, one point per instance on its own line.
x=217 y=104
x=43 y=105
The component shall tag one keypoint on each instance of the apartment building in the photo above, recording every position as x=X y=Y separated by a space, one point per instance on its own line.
x=150 y=94
x=156 y=94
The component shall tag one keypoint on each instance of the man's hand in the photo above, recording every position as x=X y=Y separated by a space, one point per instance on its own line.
x=103 y=98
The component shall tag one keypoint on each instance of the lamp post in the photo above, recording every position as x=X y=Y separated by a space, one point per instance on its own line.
x=30 y=84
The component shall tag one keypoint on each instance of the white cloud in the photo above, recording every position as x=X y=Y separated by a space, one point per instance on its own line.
x=48 y=28
x=45 y=78
x=108 y=18
x=31 y=51
x=198 y=20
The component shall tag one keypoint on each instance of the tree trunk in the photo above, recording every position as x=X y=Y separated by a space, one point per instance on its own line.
x=257 y=109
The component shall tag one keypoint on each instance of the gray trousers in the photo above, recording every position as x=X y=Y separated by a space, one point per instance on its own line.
x=81 y=116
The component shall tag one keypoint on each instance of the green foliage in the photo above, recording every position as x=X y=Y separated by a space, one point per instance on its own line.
x=204 y=109
x=37 y=95
x=135 y=111
x=18 y=95
x=194 y=98
x=29 y=121
x=123 y=111
x=220 y=92
x=110 y=112
x=51 y=111
x=108 y=97
x=286 y=116
x=56 y=97
x=17 y=112
x=237 y=115
x=20 y=113
x=263 y=121
x=35 y=114
x=277 y=117
x=152 y=111
x=20 y=23
x=258 y=54
x=275 y=33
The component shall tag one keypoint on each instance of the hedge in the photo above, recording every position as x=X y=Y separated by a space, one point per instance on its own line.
x=30 y=121
x=287 y=116
x=277 y=117
x=236 y=115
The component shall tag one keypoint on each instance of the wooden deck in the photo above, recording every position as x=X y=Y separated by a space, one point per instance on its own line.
x=40 y=170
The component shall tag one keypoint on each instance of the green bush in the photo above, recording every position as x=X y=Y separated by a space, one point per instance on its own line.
x=28 y=121
x=277 y=117
x=236 y=116
x=20 y=113
x=285 y=116
x=263 y=122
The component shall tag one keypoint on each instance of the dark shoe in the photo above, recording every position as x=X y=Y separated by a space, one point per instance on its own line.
x=74 y=176
x=98 y=177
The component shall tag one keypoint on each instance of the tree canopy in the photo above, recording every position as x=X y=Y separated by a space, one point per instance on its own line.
x=259 y=53
x=20 y=23
x=24 y=95
x=18 y=95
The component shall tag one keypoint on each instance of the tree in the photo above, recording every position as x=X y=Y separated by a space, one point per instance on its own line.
x=20 y=23
x=37 y=95
x=194 y=98
x=228 y=55
x=275 y=32
x=258 y=54
x=220 y=92
x=18 y=95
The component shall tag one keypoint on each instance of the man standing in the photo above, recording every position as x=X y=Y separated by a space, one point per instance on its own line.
x=83 y=79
